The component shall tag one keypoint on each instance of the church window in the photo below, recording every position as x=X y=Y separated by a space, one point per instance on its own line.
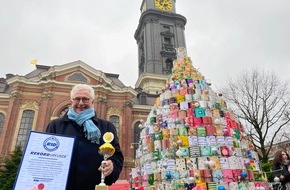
x=168 y=66
x=78 y=77
x=137 y=131
x=167 y=40
x=2 y=119
x=116 y=121
x=143 y=100
x=62 y=113
x=166 y=28
x=25 y=127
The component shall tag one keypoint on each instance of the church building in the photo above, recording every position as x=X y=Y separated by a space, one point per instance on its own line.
x=30 y=102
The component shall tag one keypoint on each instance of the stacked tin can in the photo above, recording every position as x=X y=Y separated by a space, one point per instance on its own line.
x=192 y=140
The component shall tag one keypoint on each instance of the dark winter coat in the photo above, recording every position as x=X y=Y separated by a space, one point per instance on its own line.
x=282 y=169
x=86 y=160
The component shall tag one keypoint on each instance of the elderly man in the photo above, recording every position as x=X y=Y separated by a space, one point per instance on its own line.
x=82 y=123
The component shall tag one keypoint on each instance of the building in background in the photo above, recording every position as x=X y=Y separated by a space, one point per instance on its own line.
x=31 y=101
x=285 y=146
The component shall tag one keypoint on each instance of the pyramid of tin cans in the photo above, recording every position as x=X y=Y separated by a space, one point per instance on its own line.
x=192 y=140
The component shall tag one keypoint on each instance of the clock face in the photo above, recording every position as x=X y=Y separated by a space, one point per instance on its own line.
x=165 y=5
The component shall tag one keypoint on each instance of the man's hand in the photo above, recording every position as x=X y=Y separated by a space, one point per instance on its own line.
x=107 y=168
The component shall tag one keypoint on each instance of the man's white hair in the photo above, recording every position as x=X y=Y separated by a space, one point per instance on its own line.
x=82 y=87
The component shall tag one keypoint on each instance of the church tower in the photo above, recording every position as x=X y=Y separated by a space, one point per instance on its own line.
x=159 y=32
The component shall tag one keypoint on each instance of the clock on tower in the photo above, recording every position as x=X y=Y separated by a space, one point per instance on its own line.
x=159 y=32
x=165 y=5
x=158 y=5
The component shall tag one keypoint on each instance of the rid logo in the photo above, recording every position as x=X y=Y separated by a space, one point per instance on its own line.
x=51 y=144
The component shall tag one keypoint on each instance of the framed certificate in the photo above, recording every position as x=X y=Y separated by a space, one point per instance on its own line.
x=45 y=162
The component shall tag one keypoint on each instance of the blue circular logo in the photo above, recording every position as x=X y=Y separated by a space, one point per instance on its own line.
x=51 y=144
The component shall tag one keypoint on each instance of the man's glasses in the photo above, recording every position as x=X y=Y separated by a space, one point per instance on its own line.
x=84 y=100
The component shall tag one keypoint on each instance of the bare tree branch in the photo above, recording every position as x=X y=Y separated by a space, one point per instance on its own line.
x=263 y=101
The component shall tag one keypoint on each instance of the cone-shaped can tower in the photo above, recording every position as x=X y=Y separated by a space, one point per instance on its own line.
x=192 y=140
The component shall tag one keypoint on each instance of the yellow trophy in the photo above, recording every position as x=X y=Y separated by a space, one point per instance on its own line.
x=107 y=150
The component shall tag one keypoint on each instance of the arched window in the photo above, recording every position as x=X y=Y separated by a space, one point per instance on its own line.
x=2 y=120
x=63 y=112
x=137 y=131
x=78 y=77
x=169 y=64
x=116 y=121
x=25 y=127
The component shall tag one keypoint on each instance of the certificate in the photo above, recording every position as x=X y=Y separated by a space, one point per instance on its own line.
x=45 y=163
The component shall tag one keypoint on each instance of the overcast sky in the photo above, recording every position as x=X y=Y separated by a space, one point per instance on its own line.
x=223 y=37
